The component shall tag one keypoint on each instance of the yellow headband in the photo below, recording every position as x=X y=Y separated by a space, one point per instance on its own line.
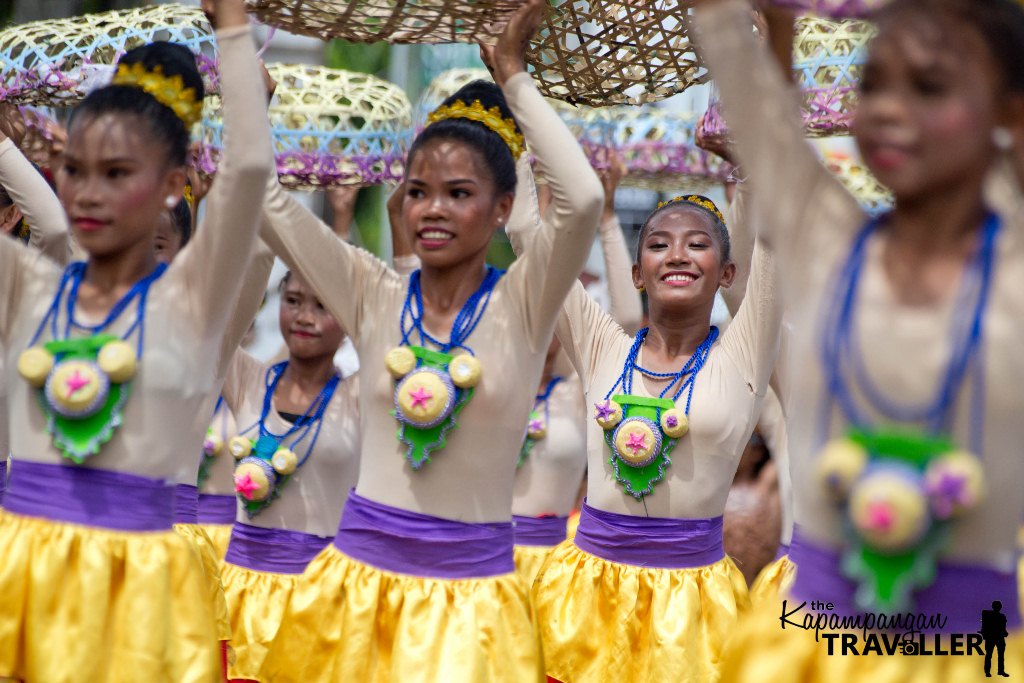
x=169 y=91
x=491 y=118
x=696 y=200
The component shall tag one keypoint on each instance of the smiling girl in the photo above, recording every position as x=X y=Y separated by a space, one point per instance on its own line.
x=904 y=406
x=118 y=356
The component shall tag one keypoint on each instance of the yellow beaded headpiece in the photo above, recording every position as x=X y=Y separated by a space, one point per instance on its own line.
x=696 y=200
x=491 y=118
x=169 y=91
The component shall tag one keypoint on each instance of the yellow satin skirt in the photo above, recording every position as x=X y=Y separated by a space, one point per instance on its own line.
x=256 y=606
x=761 y=651
x=220 y=536
x=604 y=621
x=529 y=559
x=772 y=581
x=80 y=603
x=348 y=621
x=214 y=589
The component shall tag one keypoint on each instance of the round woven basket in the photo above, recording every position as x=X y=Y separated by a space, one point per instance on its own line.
x=615 y=52
x=394 y=21
x=330 y=127
x=57 y=62
x=827 y=60
x=871 y=194
x=658 y=149
x=836 y=9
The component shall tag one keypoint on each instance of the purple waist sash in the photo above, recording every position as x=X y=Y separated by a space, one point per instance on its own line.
x=411 y=543
x=216 y=509
x=650 y=541
x=782 y=551
x=186 y=504
x=959 y=593
x=3 y=475
x=85 y=495
x=543 y=531
x=278 y=551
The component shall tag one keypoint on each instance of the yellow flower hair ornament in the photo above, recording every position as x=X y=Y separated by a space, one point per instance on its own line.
x=169 y=91
x=492 y=118
x=696 y=200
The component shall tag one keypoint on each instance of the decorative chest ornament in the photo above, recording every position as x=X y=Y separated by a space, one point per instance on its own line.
x=640 y=446
x=431 y=389
x=262 y=472
x=83 y=385
x=898 y=493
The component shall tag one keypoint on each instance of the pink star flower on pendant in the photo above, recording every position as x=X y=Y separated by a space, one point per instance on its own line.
x=245 y=486
x=420 y=397
x=637 y=442
x=76 y=383
x=536 y=425
x=880 y=516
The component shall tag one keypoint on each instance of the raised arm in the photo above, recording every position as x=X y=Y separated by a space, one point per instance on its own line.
x=741 y=239
x=403 y=259
x=763 y=115
x=241 y=368
x=626 y=307
x=35 y=199
x=254 y=287
x=551 y=262
x=345 y=278
x=211 y=270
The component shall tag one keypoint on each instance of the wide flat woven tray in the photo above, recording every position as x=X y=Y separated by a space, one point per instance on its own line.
x=57 y=62
x=329 y=126
x=394 y=21
x=615 y=52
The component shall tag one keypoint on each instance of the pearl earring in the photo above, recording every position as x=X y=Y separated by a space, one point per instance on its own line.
x=170 y=202
x=1002 y=138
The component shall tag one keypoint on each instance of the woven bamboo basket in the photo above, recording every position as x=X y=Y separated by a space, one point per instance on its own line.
x=835 y=9
x=57 y=62
x=330 y=127
x=660 y=154
x=615 y=52
x=871 y=194
x=394 y=21
x=827 y=60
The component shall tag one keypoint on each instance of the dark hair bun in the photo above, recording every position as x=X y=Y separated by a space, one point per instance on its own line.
x=173 y=59
x=489 y=94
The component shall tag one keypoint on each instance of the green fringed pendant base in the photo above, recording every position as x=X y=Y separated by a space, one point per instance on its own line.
x=640 y=481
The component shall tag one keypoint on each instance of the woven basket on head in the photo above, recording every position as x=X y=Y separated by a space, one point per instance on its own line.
x=394 y=21
x=857 y=9
x=871 y=194
x=615 y=52
x=58 y=62
x=827 y=61
x=658 y=149
x=330 y=127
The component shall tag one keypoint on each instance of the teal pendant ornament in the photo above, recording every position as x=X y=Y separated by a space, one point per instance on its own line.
x=83 y=385
x=899 y=492
x=261 y=475
x=635 y=434
x=431 y=389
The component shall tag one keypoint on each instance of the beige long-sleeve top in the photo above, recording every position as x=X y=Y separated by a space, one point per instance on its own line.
x=471 y=478
x=187 y=310
x=315 y=494
x=905 y=349
x=726 y=398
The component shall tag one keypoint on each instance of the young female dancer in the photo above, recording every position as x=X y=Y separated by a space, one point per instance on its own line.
x=419 y=583
x=644 y=590
x=903 y=413
x=296 y=454
x=89 y=555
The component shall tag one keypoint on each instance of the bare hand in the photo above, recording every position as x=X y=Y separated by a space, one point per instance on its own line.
x=225 y=13
x=611 y=176
x=200 y=183
x=268 y=82
x=12 y=123
x=508 y=56
x=342 y=198
x=719 y=145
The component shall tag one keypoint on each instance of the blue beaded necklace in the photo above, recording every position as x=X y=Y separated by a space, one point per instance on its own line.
x=684 y=377
x=466 y=319
x=268 y=443
x=71 y=280
x=844 y=365
x=540 y=401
